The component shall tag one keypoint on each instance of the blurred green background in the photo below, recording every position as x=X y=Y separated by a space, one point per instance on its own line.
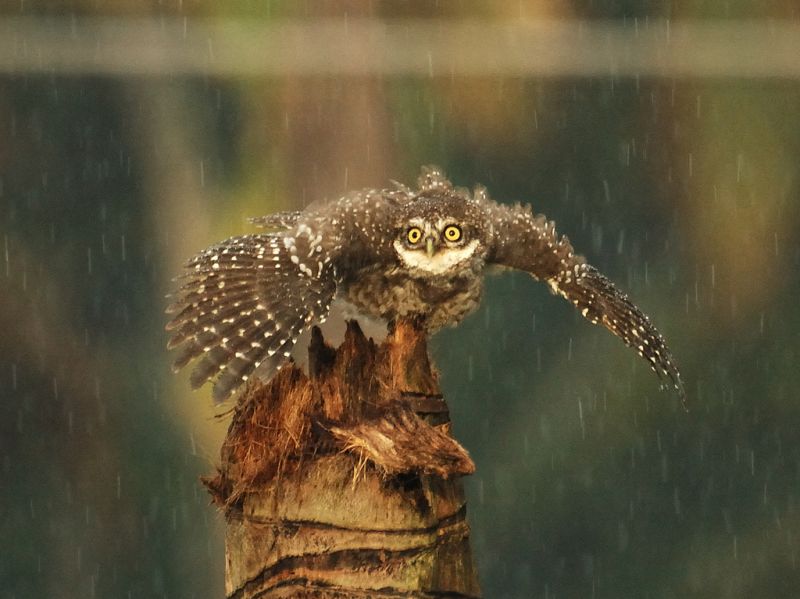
x=591 y=482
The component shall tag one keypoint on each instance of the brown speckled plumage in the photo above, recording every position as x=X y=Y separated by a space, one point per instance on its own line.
x=245 y=301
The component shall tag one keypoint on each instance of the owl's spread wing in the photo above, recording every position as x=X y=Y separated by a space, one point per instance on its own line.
x=530 y=243
x=243 y=304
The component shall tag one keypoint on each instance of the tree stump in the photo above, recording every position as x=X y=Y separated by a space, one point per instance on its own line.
x=345 y=482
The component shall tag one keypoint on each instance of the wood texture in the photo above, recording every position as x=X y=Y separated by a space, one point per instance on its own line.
x=345 y=482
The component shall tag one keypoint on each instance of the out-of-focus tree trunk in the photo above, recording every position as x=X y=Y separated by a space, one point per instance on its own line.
x=344 y=483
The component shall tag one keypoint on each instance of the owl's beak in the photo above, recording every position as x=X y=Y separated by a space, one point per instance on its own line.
x=429 y=249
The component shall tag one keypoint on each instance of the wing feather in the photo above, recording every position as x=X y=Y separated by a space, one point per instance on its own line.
x=530 y=243
x=242 y=305
x=277 y=220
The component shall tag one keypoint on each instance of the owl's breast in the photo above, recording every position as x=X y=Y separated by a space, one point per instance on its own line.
x=392 y=293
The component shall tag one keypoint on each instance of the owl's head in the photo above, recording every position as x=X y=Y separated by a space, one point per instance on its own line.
x=440 y=233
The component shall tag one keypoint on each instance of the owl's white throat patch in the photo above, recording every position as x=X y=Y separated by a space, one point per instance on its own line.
x=441 y=262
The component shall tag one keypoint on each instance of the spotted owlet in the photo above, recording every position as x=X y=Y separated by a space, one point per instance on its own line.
x=389 y=253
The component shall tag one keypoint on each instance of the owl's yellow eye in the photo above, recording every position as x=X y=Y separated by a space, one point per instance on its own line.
x=414 y=235
x=452 y=232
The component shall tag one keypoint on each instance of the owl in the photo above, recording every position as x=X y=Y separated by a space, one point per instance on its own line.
x=389 y=253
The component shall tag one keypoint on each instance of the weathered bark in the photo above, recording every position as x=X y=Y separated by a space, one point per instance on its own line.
x=344 y=483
